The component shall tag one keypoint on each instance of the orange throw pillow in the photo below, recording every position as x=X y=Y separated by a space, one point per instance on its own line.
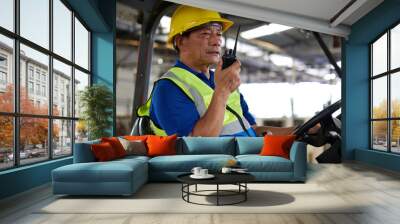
x=116 y=145
x=161 y=145
x=103 y=151
x=277 y=145
x=136 y=137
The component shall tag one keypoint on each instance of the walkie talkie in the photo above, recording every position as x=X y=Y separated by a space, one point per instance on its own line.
x=227 y=60
x=229 y=56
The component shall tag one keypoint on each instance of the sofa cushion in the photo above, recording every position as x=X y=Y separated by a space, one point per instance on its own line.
x=206 y=145
x=130 y=158
x=185 y=163
x=135 y=137
x=277 y=145
x=103 y=152
x=134 y=147
x=116 y=145
x=257 y=163
x=161 y=145
x=249 y=145
x=111 y=171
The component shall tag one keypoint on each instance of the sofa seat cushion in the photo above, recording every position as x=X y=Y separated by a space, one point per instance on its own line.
x=133 y=158
x=185 y=163
x=257 y=163
x=206 y=145
x=249 y=145
x=111 y=171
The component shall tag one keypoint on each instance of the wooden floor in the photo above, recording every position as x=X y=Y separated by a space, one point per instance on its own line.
x=378 y=188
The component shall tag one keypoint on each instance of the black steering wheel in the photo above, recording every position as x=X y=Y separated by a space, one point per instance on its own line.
x=321 y=116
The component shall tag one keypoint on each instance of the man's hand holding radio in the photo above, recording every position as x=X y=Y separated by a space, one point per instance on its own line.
x=227 y=80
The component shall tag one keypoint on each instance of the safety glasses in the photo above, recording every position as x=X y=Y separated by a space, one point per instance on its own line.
x=212 y=26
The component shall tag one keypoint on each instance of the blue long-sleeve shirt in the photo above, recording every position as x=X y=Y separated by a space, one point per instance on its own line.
x=174 y=112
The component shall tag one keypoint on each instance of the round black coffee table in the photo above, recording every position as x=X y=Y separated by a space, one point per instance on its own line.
x=238 y=179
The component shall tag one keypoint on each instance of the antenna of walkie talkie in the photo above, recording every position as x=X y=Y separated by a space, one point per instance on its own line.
x=236 y=40
x=230 y=56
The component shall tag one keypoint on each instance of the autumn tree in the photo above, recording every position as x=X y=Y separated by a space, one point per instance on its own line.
x=396 y=123
x=33 y=130
x=380 y=127
x=6 y=122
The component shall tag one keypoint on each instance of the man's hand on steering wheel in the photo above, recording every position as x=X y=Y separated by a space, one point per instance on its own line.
x=314 y=130
x=313 y=125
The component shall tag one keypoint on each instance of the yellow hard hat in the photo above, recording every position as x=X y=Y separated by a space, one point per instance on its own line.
x=187 y=17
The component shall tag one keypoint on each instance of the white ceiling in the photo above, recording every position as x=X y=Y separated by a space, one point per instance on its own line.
x=314 y=15
x=321 y=9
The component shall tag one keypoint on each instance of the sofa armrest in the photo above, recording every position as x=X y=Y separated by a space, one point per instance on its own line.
x=298 y=155
x=83 y=152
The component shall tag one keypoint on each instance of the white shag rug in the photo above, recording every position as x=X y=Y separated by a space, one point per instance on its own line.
x=166 y=198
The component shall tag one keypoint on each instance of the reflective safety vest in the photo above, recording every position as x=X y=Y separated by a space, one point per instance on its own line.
x=200 y=94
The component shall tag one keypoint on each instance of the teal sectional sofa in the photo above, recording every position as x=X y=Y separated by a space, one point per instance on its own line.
x=125 y=176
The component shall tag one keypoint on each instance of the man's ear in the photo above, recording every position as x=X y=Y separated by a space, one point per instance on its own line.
x=179 y=41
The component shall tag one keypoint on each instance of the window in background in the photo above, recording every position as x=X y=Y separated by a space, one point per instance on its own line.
x=30 y=72
x=34 y=144
x=35 y=21
x=3 y=61
x=395 y=136
x=7 y=14
x=37 y=89
x=379 y=97
x=61 y=72
x=395 y=47
x=30 y=87
x=62 y=29
x=7 y=74
x=6 y=142
x=81 y=131
x=379 y=56
x=395 y=94
x=62 y=137
x=385 y=93
x=3 y=78
x=40 y=62
x=44 y=91
x=44 y=78
x=50 y=135
x=3 y=72
x=81 y=81
x=81 y=45
x=379 y=133
x=37 y=74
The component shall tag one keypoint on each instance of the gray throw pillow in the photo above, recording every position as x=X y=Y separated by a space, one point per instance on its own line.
x=136 y=147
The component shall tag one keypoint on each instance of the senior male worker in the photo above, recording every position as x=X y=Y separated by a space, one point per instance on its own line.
x=192 y=100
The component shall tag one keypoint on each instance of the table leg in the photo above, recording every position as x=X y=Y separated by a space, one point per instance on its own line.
x=217 y=194
x=182 y=188
x=188 y=190
x=245 y=191
x=196 y=188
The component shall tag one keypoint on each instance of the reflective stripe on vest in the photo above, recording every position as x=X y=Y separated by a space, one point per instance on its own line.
x=201 y=94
